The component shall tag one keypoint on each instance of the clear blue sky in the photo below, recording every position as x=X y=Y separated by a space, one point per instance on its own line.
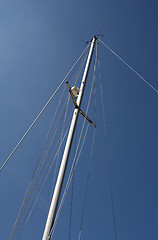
x=39 y=42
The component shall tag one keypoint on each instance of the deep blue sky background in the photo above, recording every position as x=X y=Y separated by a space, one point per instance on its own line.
x=39 y=42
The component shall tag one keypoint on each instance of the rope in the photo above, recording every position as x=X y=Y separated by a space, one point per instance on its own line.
x=30 y=190
x=27 y=219
x=129 y=66
x=92 y=147
x=74 y=83
x=80 y=69
x=36 y=197
x=74 y=164
x=95 y=99
x=102 y=100
x=52 y=136
x=36 y=176
x=42 y=111
x=87 y=182
x=40 y=165
x=75 y=141
x=108 y=163
x=59 y=151
x=69 y=180
x=72 y=189
x=44 y=144
x=71 y=201
x=70 y=222
x=29 y=200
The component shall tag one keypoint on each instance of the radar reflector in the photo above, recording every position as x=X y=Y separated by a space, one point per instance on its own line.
x=75 y=91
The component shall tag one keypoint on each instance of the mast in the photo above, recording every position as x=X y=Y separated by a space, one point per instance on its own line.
x=61 y=174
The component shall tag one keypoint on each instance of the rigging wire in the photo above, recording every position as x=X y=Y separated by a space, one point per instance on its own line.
x=43 y=182
x=45 y=178
x=128 y=65
x=87 y=182
x=80 y=68
x=92 y=148
x=72 y=189
x=61 y=136
x=75 y=142
x=33 y=123
x=36 y=197
x=71 y=202
x=50 y=127
x=74 y=164
x=108 y=162
x=77 y=74
x=29 y=192
x=52 y=136
x=34 y=180
x=74 y=83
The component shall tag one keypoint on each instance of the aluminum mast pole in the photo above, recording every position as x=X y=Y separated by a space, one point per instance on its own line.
x=59 y=183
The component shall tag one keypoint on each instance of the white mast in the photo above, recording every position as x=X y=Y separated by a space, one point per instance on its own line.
x=58 y=187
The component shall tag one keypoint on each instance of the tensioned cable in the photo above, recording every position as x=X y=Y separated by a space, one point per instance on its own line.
x=72 y=191
x=128 y=66
x=74 y=82
x=42 y=186
x=25 y=206
x=74 y=164
x=75 y=140
x=71 y=203
x=95 y=99
x=42 y=110
x=68 y=182
x=79 y=72
x=36 y=197
x=77 y=76
x=61 y=136
x=54 y=115
x=31 y=187
x=44 y=180
x=80 y=68
x=108 y=163
x=92 y=148
x=53 y=136
x=87 y=182
x=73 y=167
